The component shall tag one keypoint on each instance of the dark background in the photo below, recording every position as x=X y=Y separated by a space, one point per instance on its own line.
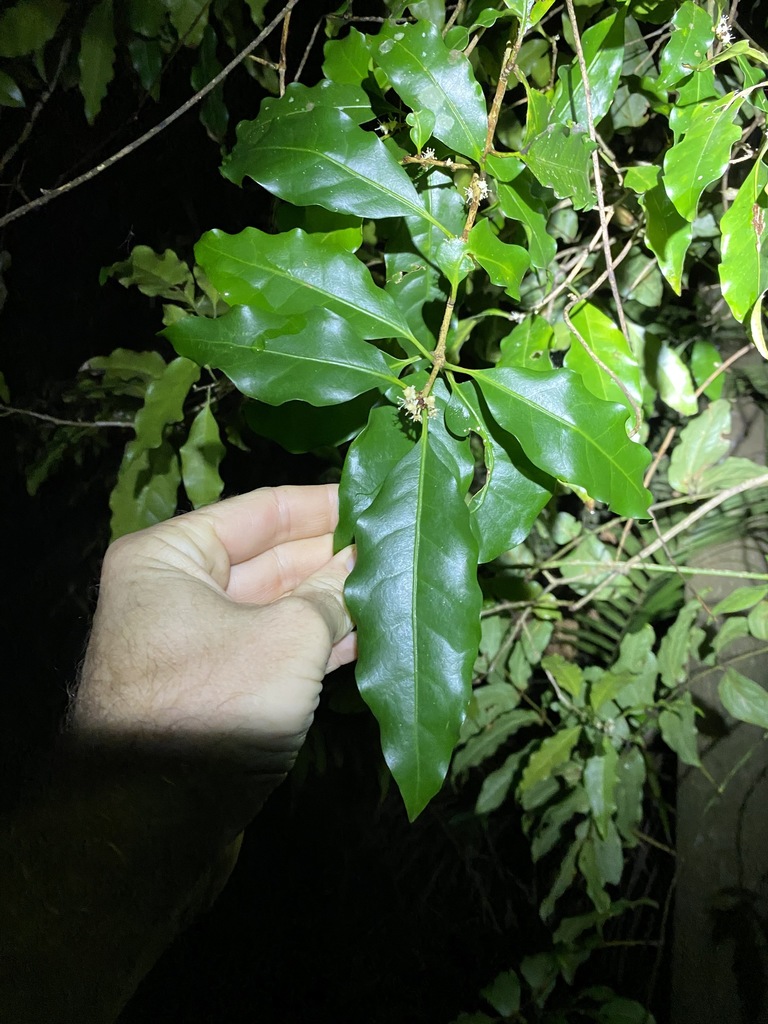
x=338 y=909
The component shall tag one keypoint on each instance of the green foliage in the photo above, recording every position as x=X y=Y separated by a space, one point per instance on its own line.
x=435 y=304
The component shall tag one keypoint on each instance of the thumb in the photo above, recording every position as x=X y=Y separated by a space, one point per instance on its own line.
x=324 y=589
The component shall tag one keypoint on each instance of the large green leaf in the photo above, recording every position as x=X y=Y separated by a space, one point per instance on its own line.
x=667 y=234
x=201 y=455
x=445 y=205
x=678 y=730
x=600 y=785
x=427 y=75
x=560 y=159
x=744 y=260
x=703 y=443
x=316 y=359
x=692 y=36
x=504 y=264
x=515 y=491
x=300 y=427
x=97 y=56
x=603 y=45
x=294 y=272
x=347 y=60
x=373 y=454
x=164 y=401
x=153 y=274
x=415 y=598
x=552 y=754
x=321 y=157
x=570 y=434
x=518 y=202
x=27 y=25
x=703 y=153
x=743 y=698
x=610 y=346
x=528 y=345
x=146 y=489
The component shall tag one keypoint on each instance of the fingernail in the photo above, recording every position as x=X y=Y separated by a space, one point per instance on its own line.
x=350 y=563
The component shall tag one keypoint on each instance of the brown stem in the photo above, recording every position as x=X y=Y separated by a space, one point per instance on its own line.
x=11 y=410
x=54 y=193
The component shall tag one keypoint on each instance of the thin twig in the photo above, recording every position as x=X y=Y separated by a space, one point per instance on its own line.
x=745 y=350
x=11 y=410
x=12 y=150
x=308 y=48
x=599 y=192
x=283 y=53
x=46 y=197
x=672 y=532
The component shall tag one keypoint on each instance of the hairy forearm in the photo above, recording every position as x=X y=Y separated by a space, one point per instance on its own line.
x=99 y=872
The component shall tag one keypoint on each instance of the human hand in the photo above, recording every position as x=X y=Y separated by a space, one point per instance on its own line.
x=217 y=628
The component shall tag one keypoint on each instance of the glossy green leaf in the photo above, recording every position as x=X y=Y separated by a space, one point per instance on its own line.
x=678 y=730
x=299 y=100
x=164 y=401
x=413 y=283
x=201 y=455
x=416 y=601
x=299 y=427
x=504 y=264
x=743 y=698
x=374 y=453
x=316 y=359
x=744 y=260
x=740 y=600
x=600 y=786
x=446 y=207
x=672 y=378
x=641 y=178
x=152 y=274
x=702 y=155
x=560 y=159
x=693 y=34
x=10 y=93
x=528 y=345
x=146 y=489
x=147 y=62
x=97 y=56
x=321 y=157
x=603 y=46
x=667 y=234
x=705 y=359
x=28 y=25
x=554 y=751
x=690 y=94
x=610 y=346
x=453 y=258
x=703 y=443
x=519 y=203
x=556 y=421
x=422 y=124
x=347 y=60
x=503 y=510
x=567 y=674
x=428 y=76
x=293 y=273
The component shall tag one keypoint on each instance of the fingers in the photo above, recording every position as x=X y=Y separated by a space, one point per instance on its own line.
x=275 y=573
x=324 y=590
x=253 y=523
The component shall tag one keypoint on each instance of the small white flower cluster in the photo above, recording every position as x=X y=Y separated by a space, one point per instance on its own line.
x=415 y=404
x=723 y=31
x=476 y=191
x=428 y=153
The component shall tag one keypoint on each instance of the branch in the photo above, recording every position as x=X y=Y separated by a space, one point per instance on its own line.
x=54 y=193
x=11 y=410
x=674 y=531
x=596 y=167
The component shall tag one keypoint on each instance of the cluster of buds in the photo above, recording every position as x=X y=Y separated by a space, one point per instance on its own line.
x=416 y=405
x=476 y=190
x=723 y=31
